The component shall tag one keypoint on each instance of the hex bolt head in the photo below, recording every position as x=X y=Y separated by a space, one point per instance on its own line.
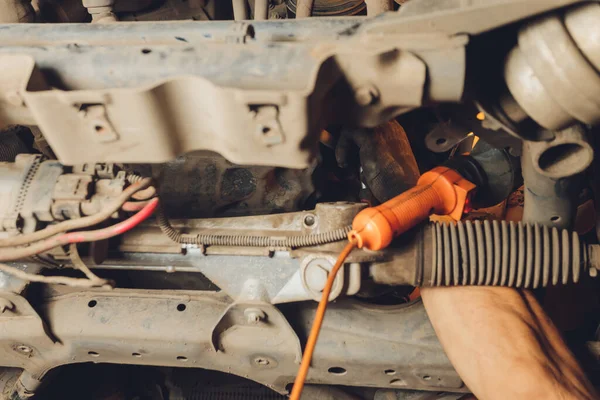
x=366 y=95
x=309 y=220
x=254 y=315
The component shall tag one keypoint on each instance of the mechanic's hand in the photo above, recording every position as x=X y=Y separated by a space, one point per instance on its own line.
x=503 y=345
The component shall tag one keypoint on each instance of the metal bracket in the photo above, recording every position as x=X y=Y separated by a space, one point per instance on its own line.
x=96 y=117
x=268 y=128
x=240 y=320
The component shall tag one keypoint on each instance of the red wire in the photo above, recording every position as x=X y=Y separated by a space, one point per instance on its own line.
x=134 y=206
x=11 y=253
x=115 y=230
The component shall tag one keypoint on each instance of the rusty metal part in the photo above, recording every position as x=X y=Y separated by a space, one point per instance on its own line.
x=324 y=218
x=568 y=154
x=275 y=139
x=201 y=185
x=548 y=201
x=491 y=254
x=202 y=239
x=279 y=274
x=206 y=330
x=551 y=76
x=445 y=136
x=326 y=8
x=423 y=50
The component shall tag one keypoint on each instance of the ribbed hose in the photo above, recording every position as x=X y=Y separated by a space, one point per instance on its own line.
x=249 y=240
x=505 y=254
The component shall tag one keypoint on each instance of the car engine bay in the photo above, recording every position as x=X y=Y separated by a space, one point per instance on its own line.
x=178 y=178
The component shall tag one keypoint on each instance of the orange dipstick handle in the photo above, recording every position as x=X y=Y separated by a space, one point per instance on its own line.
x=440 y=191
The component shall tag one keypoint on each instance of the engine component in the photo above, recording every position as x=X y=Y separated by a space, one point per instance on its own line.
x=200 y=185
x=495 y=172
x=106 y=213
x=39 y=191
x=101 y=10
x=548 y=201
x=266 y=352
x=553 y=73
x=490 y=253
x=260 y=93
x=386 y=159
x=11 y=254
x=250 y=241
x=27 y=193
x=441 y=190
x=282 y=135
x=325 y=8
x=568 y=154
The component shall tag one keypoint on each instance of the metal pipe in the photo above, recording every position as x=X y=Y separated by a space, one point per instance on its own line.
x=240 y=10
x=261 y=9
x=548 y=201
x=376 y=7
x=304 y=8
x=568 y=154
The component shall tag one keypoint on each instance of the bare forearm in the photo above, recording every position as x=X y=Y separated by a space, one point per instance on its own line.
x=503 y=345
